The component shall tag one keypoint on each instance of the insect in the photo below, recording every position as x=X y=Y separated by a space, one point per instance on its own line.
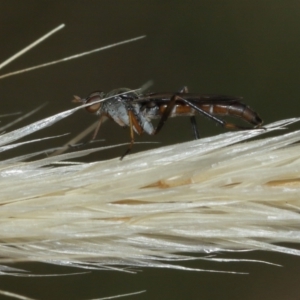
x=136 y=110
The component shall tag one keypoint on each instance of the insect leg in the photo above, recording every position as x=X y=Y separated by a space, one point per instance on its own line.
x=97 y=129
x=196 y=134
x=83 y=134
x=166 y=113
x=131 y=116
x=169 y=109
x=194 y=128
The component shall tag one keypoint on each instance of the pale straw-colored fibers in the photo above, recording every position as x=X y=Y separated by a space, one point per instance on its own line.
x=215 y=194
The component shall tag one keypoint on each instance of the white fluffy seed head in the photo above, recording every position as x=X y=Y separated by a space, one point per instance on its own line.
x=213 y=194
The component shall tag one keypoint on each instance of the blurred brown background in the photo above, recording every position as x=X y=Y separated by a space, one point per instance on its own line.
x=242 y=48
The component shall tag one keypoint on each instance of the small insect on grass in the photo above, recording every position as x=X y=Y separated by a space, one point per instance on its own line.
x=136 y=110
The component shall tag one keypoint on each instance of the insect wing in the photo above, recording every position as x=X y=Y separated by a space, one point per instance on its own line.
x=160 y=98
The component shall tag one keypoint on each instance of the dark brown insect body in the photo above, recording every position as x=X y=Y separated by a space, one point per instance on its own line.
x=129 y=108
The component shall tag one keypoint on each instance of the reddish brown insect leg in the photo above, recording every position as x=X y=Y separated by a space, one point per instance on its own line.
x=77 y=146
x=166 y=113
x=97 y=129
x=131 y=116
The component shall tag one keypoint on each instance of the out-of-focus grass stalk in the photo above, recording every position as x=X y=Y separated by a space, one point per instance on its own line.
x=204 y=196
x=32 y=45
x=22 y=297
x=75 y=56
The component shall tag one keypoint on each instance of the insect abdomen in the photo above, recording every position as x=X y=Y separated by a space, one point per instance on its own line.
x=239 y=110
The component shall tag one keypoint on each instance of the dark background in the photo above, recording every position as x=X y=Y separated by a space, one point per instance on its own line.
x=242 y=48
